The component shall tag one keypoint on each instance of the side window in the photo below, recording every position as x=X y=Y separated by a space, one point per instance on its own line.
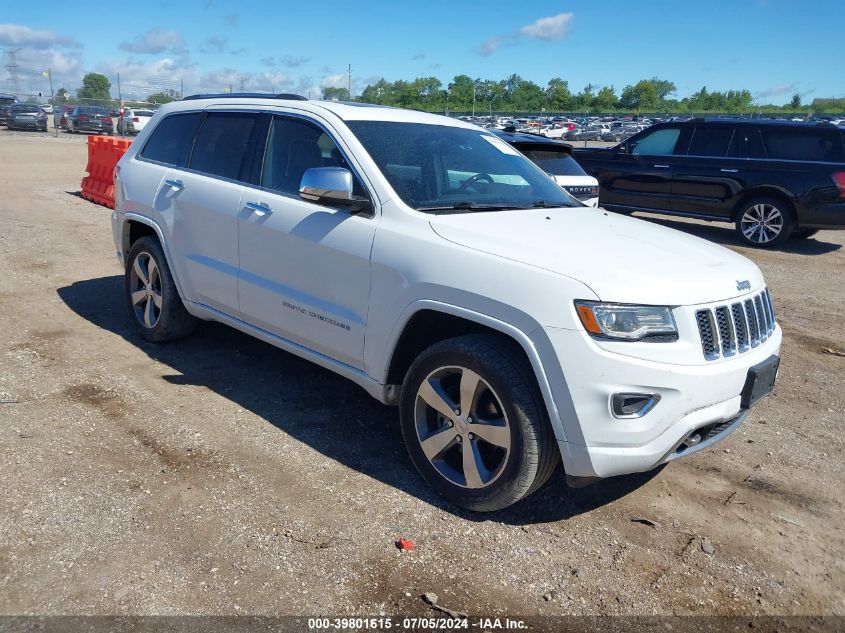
x=747 y=143
x=295 y=146
x=658 y=143
x=222 y=145
x=171 y=141
x=710 y=140
x=803 y=144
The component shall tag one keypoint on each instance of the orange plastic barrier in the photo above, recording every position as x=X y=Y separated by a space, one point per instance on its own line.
x=103 y=154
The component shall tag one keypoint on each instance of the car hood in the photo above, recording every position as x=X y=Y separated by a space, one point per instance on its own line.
x=622 y=259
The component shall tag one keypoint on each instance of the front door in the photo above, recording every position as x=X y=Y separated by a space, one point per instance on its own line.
x=641 y=177
x=304 y=268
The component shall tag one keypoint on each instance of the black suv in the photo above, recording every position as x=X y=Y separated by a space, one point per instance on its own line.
x=773 y=179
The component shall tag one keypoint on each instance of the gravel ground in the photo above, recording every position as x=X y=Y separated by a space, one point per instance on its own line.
x=219 y=475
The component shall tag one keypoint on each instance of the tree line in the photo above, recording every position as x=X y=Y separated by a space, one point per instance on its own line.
x=514 y=94
x=517 y=94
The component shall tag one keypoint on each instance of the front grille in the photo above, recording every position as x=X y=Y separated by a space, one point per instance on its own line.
x=735 y=328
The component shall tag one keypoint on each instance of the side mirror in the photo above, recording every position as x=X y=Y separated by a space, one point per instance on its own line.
x=622 y=148
x=332 y=187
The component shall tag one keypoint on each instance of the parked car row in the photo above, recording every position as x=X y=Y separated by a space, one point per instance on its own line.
x=73 y=118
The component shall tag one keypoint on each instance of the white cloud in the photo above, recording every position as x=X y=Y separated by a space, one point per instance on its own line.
x=155 y=42
x=548 y=29
x=18 y=35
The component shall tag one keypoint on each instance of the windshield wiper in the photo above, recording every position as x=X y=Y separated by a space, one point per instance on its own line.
x=467 y=205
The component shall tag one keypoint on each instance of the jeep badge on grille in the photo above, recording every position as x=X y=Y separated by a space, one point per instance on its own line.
x=743 y=285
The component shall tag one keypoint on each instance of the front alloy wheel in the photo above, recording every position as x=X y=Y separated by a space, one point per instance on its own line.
x=764 y=222
x=475 y=424
x=462 y=427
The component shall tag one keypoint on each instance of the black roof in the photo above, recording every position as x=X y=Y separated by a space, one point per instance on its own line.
x=523 y=138
x=246 y=95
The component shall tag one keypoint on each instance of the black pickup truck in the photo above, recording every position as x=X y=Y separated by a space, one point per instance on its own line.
x=772 y=179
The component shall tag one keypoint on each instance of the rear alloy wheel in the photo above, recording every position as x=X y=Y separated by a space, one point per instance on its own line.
x=154 y=304
x=475 y=424
x=765 y=222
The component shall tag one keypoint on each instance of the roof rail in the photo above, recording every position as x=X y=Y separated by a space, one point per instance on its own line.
x=247 y=95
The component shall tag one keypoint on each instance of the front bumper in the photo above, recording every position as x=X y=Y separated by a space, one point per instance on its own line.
x=597 y=444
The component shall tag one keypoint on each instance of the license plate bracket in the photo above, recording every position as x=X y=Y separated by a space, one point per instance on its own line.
x=760 y=381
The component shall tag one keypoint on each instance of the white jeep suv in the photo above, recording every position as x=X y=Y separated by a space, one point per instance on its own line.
x=431 y=263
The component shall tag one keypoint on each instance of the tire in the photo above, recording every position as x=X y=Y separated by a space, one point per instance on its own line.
x=765 y=222
x=156 y=310
x=803 y=234
x=511 y=457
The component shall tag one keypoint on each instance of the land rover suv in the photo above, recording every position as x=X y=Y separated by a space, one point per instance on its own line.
x=772 y=179
x=431 y=263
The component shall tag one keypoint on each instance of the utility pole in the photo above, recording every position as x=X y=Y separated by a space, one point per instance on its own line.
x=12 y=67
x=349 y=81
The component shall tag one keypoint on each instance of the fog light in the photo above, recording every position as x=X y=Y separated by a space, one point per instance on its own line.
x=632 y=405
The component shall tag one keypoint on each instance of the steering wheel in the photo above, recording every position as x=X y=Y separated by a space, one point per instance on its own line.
x=474 y=179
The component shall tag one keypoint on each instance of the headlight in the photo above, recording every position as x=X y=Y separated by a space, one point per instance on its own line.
x=627 y=322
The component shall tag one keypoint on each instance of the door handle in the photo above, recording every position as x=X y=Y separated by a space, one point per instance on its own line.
x=261 y=208
x=178 y=185
x=662 y=166
x=729 y=171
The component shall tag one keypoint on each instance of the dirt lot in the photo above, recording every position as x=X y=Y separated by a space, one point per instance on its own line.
x=221 y=476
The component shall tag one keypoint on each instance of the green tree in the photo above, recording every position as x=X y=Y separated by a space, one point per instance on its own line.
x=558 y=95
x=796 y=101
x=94 y=86
x=606 y=99
x=332 y=93
x=460 y=92
x=164 y=97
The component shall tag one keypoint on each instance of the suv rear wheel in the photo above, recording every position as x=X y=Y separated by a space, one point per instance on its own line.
x=765 y=222
x=154 y=305
x=475 y=424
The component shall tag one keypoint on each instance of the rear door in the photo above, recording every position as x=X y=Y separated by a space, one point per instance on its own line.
x=641 y=177
x=304 y=267
x=204 y=200
x=708 y=178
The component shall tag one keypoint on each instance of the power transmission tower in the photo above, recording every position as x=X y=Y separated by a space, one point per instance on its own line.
x=12 y=67
x=349 y=83
x=242 y=81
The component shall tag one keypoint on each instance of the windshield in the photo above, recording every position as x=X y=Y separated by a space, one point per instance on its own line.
x=555 y=162
x=441 y=168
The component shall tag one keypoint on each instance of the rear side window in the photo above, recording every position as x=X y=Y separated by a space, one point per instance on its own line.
x=171 y=141
x=803 y=144
x=747 y=143
x=222 y=144
x=710 y=140
x=657 y=143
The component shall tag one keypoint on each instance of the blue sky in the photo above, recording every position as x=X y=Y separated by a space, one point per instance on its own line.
x=774 y=48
